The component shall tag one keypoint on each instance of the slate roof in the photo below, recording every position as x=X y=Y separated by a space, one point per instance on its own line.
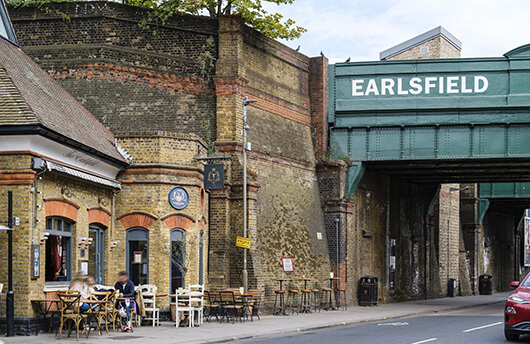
x=29 y=97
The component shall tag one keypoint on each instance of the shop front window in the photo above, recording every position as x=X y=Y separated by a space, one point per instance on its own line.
x=58 y=250
x=178 y=256
x=138 y=255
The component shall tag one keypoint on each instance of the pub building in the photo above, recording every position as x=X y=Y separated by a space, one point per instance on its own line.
x=72 y=213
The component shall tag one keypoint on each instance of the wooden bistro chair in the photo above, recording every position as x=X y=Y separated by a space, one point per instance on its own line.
x=112 y=309
x=101 y=311
x=71 y=314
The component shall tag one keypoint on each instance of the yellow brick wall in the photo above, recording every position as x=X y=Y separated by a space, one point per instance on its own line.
x=162 y=161
x=437 y=48
x=85 y=195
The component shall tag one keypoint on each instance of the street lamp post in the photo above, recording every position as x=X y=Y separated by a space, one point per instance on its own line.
x=246 y=102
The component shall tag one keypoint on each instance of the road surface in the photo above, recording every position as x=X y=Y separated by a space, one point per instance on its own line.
x=481 y=324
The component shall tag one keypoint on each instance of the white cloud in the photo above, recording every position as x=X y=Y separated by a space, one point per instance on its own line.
x=363 y=28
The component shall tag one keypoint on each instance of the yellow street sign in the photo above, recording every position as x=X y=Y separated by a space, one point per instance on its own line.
x=243 y=242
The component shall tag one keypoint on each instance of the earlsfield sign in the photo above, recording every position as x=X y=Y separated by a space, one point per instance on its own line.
x=419 y=85
x=375 y=92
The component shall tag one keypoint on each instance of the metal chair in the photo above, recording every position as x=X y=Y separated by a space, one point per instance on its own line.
x=255 y=303
x=231 y=310
x=211 y=306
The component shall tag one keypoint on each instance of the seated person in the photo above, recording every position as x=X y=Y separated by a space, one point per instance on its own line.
x=126 y=288
x=79 y=284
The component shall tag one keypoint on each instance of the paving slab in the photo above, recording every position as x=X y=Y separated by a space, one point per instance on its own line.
x=268 y=326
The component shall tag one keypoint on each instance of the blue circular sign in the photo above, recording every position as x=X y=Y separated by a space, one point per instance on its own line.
x=179 y=198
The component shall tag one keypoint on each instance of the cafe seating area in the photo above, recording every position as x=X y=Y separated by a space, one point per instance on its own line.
x=299 y=297
x=194 y=305
x=191 y=306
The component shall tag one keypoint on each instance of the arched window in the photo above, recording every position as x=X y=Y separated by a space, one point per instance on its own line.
x=177 y=258
x=138 y=255
x=58 y=250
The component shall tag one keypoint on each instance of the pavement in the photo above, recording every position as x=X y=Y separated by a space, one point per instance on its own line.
x=270 y=326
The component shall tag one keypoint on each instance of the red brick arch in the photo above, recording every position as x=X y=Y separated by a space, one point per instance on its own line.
x=202 y=223
x=99 y=215
x=62 y=207
x=178 y=220
x=137 y=219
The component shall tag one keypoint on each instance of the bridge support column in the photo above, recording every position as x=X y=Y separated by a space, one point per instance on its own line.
x=471 y=232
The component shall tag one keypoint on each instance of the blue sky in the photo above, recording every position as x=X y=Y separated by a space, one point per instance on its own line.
x=360 y=29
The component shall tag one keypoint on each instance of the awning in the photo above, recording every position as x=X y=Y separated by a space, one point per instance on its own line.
x=52 y=166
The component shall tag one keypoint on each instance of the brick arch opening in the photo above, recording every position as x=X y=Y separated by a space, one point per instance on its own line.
x=178 y=220
x=99 y=215
x=62 y=207
x=137 y=219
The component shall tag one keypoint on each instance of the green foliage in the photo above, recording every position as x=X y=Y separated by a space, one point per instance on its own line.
x=328 y=155
x=272 y=25
x=207 y=59
x=333 y=151
x=41 y=5
x=212 y=150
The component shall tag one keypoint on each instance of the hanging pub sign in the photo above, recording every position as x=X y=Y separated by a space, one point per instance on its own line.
x=214 y=177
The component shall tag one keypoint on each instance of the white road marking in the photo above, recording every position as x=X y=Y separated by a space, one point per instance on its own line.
x=426 y=341
x=394 y=324
x=482 y=327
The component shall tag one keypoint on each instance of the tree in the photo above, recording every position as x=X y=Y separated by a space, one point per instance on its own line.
x=270 y=24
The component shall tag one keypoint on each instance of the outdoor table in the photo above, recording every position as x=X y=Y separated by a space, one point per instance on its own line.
x=45 y=308
x=281 y=280
x=245 y=302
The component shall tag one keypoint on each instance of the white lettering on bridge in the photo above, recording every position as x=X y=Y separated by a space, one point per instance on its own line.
x=420 y=85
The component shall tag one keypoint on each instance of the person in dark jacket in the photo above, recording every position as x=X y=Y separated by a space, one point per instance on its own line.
x=126 y=288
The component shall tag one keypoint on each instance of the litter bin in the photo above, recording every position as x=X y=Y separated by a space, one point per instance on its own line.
x=368 y=291
x=451 y=287
x=485 y=284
